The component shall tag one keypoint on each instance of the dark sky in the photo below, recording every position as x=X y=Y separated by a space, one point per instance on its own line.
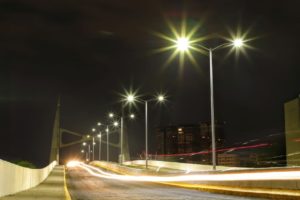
x=89 y=51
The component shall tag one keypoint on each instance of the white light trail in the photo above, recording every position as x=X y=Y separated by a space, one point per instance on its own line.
x=242 y=176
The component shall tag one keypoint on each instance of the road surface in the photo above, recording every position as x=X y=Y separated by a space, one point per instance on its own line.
x=83 y=186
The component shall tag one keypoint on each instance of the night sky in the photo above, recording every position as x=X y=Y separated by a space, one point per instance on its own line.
x=89 y=52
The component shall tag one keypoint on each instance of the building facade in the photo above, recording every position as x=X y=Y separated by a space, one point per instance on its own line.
x=231 y=160
x=183 y=140
x=292 y=131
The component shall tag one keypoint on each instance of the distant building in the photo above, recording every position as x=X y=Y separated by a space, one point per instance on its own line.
x=228 y=159
x=185 y=139
x=292 y=131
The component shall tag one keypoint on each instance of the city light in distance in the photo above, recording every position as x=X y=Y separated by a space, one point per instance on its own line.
x=99 y=124
x=73 y=163
x=84 y=144
x=99 y=135
x=116 y=123
x=111 y=115
x=93 y=129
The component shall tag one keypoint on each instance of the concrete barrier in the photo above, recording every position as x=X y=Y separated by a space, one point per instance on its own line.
x=14 y=178
x=180 y=166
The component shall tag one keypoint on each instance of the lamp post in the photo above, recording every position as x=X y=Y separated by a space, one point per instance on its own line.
x=99 y=153
x=111 y=115
x=183 y=44
x=130 y=99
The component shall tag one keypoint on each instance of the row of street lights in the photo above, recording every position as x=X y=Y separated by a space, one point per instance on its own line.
x=183 y=45
x=130 y=99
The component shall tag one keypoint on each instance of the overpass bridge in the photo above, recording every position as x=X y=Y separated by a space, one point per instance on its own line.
x=131 y=180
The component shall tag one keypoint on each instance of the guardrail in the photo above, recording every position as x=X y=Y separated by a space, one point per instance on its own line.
x=14 y=178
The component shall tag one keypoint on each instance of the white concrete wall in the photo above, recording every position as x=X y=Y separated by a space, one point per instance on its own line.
x=14 y=178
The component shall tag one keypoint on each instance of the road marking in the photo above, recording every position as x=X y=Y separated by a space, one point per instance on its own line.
x=67 y=194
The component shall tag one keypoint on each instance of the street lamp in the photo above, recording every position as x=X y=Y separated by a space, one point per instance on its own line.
x=99 y=136
x=183 y=44
x=131 y=99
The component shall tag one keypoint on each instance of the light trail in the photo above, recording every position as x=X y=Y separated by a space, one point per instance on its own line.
x=242 y=176
x=218 y=150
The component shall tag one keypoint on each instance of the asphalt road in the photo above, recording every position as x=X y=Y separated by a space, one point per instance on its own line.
x=83 y=186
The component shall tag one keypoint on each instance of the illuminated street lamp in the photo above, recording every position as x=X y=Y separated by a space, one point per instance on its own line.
x=183 y=44
x=130 y=98
x=132 y=116
x=111 y=115
x=159 y=98
x=99 y=136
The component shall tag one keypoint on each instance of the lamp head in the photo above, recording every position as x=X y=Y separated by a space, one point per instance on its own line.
x=182 y=44
x=160 y=98
x=132 y=116
x=130 y=98
x=238 y=42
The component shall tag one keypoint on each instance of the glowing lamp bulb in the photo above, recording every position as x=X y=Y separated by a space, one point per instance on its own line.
x=182 y=44
x=130 y=98
x=238 y=43
x=160 y=98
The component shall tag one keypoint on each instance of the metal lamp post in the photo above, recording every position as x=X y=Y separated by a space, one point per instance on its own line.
x=130 y=99
x=183 y=45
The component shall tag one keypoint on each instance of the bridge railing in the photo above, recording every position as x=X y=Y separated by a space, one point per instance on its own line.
x=14 y=178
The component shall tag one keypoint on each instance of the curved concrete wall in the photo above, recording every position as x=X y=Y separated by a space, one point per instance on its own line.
x=14 y=178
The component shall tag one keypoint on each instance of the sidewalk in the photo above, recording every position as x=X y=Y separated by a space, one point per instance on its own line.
x=52 y=188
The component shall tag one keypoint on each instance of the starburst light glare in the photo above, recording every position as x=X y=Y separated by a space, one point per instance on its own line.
x=238 y=42
x=130 y=98
x=160 y=98
x=182 y=44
